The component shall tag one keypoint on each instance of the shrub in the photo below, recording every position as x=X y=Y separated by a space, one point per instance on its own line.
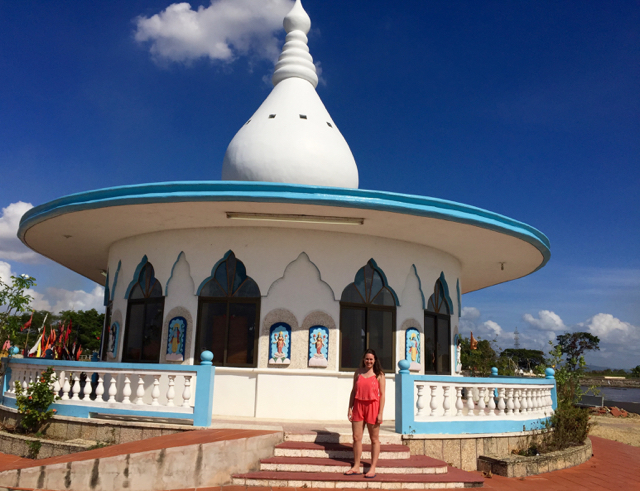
x=570 y=427
x=33 y=403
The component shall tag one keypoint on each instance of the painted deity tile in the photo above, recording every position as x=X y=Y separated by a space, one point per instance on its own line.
x=280 y=344
x=318 y=346
x=413 y=348
x=176 y=339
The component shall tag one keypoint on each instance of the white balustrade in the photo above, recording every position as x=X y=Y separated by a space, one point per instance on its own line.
x=155 y=390
x=500 y=400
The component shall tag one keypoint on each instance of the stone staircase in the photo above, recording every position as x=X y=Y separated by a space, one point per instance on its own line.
x=319 y=460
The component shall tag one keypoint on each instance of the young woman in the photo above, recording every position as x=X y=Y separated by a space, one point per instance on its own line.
x=366 y=405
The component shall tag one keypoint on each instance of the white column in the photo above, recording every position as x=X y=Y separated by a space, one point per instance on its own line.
x=140 y=390
x=420 y=405
x=447 y=401
x=459 y=404
x=470 y=405
x=171 y=393
x=155 y=393
x=113 y=390
x=510 y=404
x=126 y=390
x=186 y=394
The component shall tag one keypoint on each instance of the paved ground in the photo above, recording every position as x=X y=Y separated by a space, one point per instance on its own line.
x=614 y=467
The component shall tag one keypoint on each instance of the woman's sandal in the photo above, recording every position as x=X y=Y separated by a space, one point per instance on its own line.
x=370 y=477
x=351 y=472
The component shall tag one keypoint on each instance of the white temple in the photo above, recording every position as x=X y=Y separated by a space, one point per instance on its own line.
x=284 y=270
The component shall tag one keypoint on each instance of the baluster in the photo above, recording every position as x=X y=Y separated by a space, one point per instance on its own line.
x=186 y=394
x=470 y=405
x=25 y=380
x=113 y=390
x=86 y=390
x=100 y=387
x=516 y=401
x=140 y=390
x=447 y=403
x=501 y=401
x=510 y=404
x=523 y=402
x=66 y=387
x=540 y=400
x=171 y=393
x=56 y=383
x=459 y=404
x=155 y=393
x=492 y=402
x=420 y=399
x=481 y=404
x=529 y=400
x=536 y=400
x=550 y=401
x=9 y=376
x=126 y=391
x=76 y=386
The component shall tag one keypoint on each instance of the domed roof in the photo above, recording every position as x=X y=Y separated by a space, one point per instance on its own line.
x=291 y=138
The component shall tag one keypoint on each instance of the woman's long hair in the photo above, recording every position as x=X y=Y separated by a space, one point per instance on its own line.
x=377 y=368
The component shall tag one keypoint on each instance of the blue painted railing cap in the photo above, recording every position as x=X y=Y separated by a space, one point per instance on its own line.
x=206 y=358
x=494 y=372
x=404 y=365
x=549 y=373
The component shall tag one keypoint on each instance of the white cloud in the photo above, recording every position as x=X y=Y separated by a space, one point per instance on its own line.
x=5 y=272
x=547 y=321
x=222 y=31
x=610 y=329
x=58 y=299
x=470 y=313
x=492 y=327
x=10 y=246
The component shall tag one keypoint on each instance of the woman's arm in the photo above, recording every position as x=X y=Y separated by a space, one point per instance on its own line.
x=382 y=384
x=352 y=397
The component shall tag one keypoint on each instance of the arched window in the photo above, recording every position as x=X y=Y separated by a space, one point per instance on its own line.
x=367 y=318
x=228 y=315
x=437 y=332
x=143 y=331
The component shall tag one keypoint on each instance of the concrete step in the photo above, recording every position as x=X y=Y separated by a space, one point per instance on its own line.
x=339 y=436
x=337 y=450
x=454 y=478
x=416 y=464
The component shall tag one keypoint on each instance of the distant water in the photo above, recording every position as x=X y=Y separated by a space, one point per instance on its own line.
x=619 y=394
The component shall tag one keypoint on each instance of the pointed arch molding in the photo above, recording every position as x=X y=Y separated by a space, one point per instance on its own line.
x=459 y=299
x=445 y=287
x=215 y=266
x=136 y=275
x=415 y=271
x=377 y=269
x=303 y=256
x=173 y=268
x=107 y=296
x=115 y=280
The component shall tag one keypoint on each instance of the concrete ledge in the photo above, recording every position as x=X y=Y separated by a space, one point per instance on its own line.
x=19 y=445
x=520 y=466
x=189 y=466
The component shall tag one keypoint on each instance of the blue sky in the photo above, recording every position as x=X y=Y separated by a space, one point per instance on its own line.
x=529 y=109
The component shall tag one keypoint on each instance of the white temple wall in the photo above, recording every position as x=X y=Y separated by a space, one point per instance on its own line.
x=301 y=276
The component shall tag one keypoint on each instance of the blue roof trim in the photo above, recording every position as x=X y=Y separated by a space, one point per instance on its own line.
x=190 y=191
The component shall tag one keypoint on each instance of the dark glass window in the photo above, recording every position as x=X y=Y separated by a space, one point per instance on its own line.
x=437 y=333
x=104 y=345
x=228 y=315
x=143 y=331
x=367 y=319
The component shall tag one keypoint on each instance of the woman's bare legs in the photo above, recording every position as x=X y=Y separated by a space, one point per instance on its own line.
x=358 y=430
x=374 y=435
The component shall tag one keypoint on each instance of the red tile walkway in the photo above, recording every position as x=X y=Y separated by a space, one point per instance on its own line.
x=614 y=467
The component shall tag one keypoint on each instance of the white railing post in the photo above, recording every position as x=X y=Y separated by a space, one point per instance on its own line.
x=529 y=400
x=470 y=405
x=113 y=389
x=140 y=390
x=155 y=393
x=100 y=387
x=459 y=404
x=501 y=401
x=126 y=391
x=171 y=393
x=66 y=387
x=186 y=394
x=420 y=399
x=492 y=401
x=523 y=401
x=76 y=387
x=481 y=404
x=516 y=401
x=510 y=404
x=447 y=402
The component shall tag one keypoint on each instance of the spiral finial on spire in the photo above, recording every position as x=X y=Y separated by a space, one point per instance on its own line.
x=295 y=60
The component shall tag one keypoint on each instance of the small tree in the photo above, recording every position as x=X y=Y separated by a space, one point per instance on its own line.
x=478 y=361
x=573 y=346
x=34 y=401
x=635 y=372
x=14 y=301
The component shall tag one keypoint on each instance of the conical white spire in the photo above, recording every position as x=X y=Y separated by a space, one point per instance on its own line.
x=295 y=60
x=291 y=138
